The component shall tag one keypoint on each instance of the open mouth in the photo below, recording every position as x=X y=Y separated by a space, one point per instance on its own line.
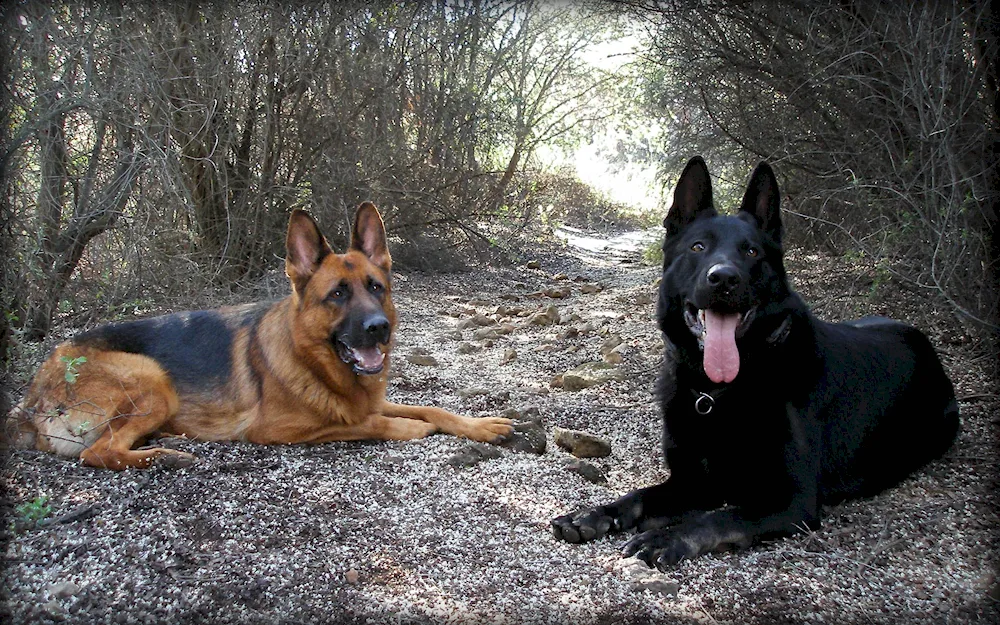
x=717 y=333
x=362 y=360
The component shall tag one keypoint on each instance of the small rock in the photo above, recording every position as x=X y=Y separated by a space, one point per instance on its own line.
x=590 y=289
x=351 y=576
x=476 y=320
x=473 y=454
x=657 y=586
x=988 y=583
x=532 y=413
x=506 y=328
x=62 y=590
x=54 y=610
x=569 y=333
x=590 y=374
x=512 y=413
x=424 y=360
x=614 y=357
x=581 y=444
x=587 y=471
x=509 y=355
x=527 y=437
x=634 y=569
x=545 y=317
x=485 y=334
x=533 y=264
x=451 y=335
x=556 y=381
x=467 y=348
x=560 y=276
x=570 y=318
x=610 y=343
x=643 y=299
x=557 y=292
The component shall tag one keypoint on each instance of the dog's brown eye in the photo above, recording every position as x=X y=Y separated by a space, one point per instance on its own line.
x=698 y=247
x=752 y=252
x=338 y=293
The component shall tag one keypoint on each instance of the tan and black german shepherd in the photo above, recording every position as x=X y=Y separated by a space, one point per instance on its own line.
x=306 y=369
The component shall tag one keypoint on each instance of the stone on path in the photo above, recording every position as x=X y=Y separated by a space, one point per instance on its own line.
x=581 y=444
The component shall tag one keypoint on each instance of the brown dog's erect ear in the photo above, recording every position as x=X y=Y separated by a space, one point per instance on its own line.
x=692 y=197
x=368 y=236
x=305 y=249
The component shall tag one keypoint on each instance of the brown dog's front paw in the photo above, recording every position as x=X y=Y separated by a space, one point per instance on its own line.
x=489 y=429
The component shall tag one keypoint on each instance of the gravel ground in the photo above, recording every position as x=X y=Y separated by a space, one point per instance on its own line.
x=391 y=532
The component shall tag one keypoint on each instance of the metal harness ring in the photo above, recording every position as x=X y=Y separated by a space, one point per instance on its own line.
x=704 y=403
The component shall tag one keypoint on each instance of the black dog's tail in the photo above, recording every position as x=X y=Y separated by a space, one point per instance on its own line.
x=950 y=424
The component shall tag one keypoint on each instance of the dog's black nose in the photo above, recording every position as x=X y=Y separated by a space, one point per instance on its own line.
x=377 y=327
x=726 y=277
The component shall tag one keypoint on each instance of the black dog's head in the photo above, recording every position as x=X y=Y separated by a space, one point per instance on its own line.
x=719 y=272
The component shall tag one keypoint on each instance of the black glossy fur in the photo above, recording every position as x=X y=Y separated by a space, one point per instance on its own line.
x=818 y=412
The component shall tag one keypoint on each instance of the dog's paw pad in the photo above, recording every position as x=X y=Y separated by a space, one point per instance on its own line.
x=175 y=460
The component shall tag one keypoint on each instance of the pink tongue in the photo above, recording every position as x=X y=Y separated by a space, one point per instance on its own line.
x=369 y=357
x=722 y=359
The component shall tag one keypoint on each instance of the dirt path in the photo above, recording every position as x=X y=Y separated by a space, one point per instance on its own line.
x=396 y=533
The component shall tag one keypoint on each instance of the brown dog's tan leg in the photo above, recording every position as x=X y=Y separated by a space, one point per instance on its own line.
x=375 y=427
x=484 y=429
x=136 y=419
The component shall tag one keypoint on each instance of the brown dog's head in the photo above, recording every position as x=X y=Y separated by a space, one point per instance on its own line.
x=343 y=301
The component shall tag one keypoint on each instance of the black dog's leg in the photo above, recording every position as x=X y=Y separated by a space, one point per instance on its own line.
x=593 y=523
x=654 y=506
x=717 y=530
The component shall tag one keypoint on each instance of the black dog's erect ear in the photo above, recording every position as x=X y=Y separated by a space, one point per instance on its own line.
x=763 y=201
x=692 y=197
x=305 y=249
x=368 y=236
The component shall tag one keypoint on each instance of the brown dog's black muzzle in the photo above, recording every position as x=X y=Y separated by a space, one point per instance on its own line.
x=359 y=337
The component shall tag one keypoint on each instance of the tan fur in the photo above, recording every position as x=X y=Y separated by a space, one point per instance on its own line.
x=286 y=385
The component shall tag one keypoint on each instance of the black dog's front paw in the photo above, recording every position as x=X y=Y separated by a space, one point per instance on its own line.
x=661 y=548
x=584 y=525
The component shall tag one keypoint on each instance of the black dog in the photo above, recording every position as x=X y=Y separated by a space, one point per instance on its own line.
x=768 y=413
